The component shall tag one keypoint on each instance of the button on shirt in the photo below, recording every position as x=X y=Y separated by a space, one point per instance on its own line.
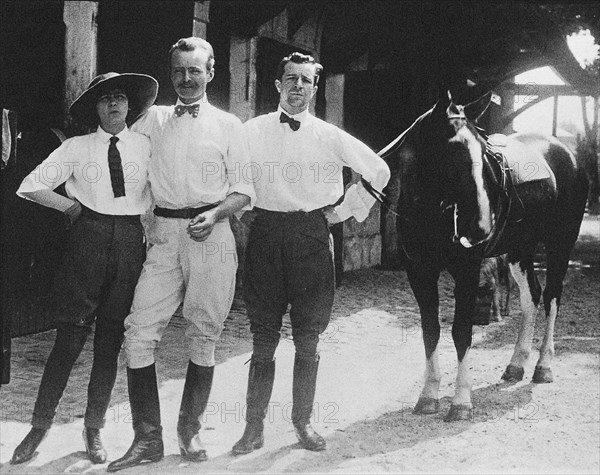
x=195 y=160
x=82 y=164
x=302 y=170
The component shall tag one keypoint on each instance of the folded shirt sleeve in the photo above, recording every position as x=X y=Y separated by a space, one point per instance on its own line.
x=360 y=158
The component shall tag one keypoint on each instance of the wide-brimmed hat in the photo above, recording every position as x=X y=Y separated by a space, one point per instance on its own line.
x=141 y=91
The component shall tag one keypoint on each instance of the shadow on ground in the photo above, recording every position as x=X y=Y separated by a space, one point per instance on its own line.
x=400 y=429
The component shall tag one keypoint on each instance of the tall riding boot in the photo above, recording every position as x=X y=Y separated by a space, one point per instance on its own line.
x=196 y=391
x=303 y=393
x=147 y=444
x=260 y=387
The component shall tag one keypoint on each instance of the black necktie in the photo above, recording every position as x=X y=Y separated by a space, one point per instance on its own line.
x=293 y=123
x=116 y=169
x=192 y=110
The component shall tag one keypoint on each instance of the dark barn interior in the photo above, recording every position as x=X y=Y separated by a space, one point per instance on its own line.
x=395 y=56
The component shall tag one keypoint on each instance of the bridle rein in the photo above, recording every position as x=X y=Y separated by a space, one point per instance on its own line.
x=501 y=180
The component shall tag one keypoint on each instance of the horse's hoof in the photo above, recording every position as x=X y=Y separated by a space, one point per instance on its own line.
x=459 y=412
x=427 y=405
x=542 y=375
x=495 y=318
x=513 y=373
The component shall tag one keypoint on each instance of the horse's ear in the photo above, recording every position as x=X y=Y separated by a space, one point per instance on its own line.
x=476 y=109
x=443 y=101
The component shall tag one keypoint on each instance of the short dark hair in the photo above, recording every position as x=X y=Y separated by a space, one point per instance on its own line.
x=299 y=58
x=193 y=43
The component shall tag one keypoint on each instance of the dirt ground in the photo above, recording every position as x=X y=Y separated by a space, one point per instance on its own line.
x=369 y=380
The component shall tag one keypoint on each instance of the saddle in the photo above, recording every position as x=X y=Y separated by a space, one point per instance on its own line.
x=522 y=175
x=523 y=163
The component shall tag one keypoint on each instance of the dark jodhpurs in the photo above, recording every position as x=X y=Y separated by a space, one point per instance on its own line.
x=289 y=260
x=96 y=282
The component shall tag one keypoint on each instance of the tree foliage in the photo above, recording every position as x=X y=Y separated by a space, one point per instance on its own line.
x=572 y=18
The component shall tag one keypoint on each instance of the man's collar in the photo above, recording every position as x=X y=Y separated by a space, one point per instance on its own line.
x=200 y=102
x=302 y=116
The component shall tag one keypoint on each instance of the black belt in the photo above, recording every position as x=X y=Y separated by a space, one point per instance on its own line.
x=288 y=214
x=91 y=214
x=185 y=213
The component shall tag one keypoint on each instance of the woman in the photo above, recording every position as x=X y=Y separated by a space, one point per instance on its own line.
x=106 y=180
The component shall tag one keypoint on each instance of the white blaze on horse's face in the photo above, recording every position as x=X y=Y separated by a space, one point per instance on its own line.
x=465 y=136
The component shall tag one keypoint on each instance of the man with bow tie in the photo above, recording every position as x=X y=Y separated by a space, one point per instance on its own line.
x=289 y=255
x=198 y=152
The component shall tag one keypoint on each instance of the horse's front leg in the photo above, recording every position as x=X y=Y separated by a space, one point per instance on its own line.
x=424 y=283
x=529 y=294
x=466 y=278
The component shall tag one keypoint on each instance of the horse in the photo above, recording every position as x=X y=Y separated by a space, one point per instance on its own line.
x=463 y=197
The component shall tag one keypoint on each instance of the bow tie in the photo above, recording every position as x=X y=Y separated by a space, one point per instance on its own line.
x=293 y=123
x=192 y=110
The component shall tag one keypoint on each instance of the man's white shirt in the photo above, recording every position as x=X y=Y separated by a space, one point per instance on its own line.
x=302 y=170
x=195 y=160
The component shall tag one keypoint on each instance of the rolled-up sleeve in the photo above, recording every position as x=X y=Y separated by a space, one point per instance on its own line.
x=237 y=162
x=360 y=158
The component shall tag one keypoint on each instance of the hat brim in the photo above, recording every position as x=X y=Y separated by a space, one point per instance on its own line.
x=141 y=91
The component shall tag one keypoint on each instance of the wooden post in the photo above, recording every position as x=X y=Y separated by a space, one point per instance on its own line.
x=507 y=96
x=334 y=114
x=334 y=99
x=242 y=66
x=80 y=48
x=201 y=11
x=555 y=116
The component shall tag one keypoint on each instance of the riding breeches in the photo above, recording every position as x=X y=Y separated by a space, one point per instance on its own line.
x=178 y=269
x=95 y=283
x=289 y=260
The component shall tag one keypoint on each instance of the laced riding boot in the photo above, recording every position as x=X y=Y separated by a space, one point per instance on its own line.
x=93 y=445
x=196 y=391
x=147 y=444
x=260 y=387
x=303 y=393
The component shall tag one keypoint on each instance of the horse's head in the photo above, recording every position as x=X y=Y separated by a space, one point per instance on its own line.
x=448 y=152
x=462 y=168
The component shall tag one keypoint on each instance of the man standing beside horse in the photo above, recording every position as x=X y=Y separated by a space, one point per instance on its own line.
x=289 y=252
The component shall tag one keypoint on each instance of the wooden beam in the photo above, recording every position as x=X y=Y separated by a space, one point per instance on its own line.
x=510 y=117
x=533 y=89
